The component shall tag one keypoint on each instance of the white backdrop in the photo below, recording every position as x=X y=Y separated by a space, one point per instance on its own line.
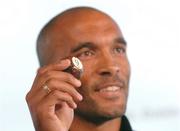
x=152 y=30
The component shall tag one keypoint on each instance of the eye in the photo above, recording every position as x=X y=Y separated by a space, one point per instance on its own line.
x=120 y=50
x=86 y=54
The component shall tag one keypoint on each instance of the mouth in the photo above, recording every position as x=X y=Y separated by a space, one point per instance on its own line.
x=109 y=87
x=110 y=91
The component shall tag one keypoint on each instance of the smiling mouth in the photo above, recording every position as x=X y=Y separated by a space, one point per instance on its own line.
x=110 y=89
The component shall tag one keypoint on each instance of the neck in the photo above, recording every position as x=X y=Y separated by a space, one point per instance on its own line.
x=80 y=124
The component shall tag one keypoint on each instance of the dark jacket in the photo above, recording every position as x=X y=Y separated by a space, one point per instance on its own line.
x=125 y=125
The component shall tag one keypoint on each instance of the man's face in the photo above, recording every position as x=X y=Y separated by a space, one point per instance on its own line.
x=99 y=44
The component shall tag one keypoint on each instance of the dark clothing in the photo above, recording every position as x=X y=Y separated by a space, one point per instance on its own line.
x=125 y=125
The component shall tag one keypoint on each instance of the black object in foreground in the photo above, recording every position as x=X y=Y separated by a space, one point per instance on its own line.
x=76 y=68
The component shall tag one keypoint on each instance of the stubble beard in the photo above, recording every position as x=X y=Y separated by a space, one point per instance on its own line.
x=90 y=111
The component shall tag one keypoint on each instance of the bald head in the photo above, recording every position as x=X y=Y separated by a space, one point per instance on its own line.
x=57 y=31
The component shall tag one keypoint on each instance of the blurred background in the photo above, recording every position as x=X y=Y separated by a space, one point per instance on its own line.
x=152 y=30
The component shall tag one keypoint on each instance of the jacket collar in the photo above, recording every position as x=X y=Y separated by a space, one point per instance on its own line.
x=125 y=125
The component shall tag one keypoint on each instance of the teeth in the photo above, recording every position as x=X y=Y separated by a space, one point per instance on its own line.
x=110 y=88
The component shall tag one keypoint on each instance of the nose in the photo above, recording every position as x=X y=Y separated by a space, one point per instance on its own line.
x=108 y=66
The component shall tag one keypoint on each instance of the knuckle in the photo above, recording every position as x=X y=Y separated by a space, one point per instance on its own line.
x=55 y=93
x=40 y=71
x=70 y=78
x=71 y=99
x=29 y=101
x=48 y=74
x=28 y=97
x=68 y=97
x=73 y=92
x=49 y=82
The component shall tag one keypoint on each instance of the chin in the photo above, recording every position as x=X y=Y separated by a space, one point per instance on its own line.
x=112 y=111
x=99 y=114
x=99 y=118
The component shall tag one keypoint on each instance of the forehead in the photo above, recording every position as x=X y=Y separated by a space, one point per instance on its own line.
x=91 y=27
x=96 y=28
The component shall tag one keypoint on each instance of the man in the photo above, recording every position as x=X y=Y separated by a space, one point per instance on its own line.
x=97 y=102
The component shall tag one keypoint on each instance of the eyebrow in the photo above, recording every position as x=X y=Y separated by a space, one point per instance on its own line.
x=83 y=45
x=90 y=45
x=120 y=40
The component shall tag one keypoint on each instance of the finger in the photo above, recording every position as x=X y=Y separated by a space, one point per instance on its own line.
x=47 y=73
x=62 y=65
x=57 y=66
x=55 y=85
x=62 y=76
x=56 y=98
x=54 y=75
x=64 y=87
x=53 y=71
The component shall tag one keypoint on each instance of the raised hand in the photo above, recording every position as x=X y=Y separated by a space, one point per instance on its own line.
x=52 y=107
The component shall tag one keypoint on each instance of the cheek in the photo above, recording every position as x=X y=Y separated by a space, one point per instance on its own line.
x=125 y=68
x=88 y=68
x=86 y=78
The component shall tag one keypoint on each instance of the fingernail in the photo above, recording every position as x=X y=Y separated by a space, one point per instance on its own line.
x=75 y=106
x=78 y=82
x=80 y=97
x=65 y=62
